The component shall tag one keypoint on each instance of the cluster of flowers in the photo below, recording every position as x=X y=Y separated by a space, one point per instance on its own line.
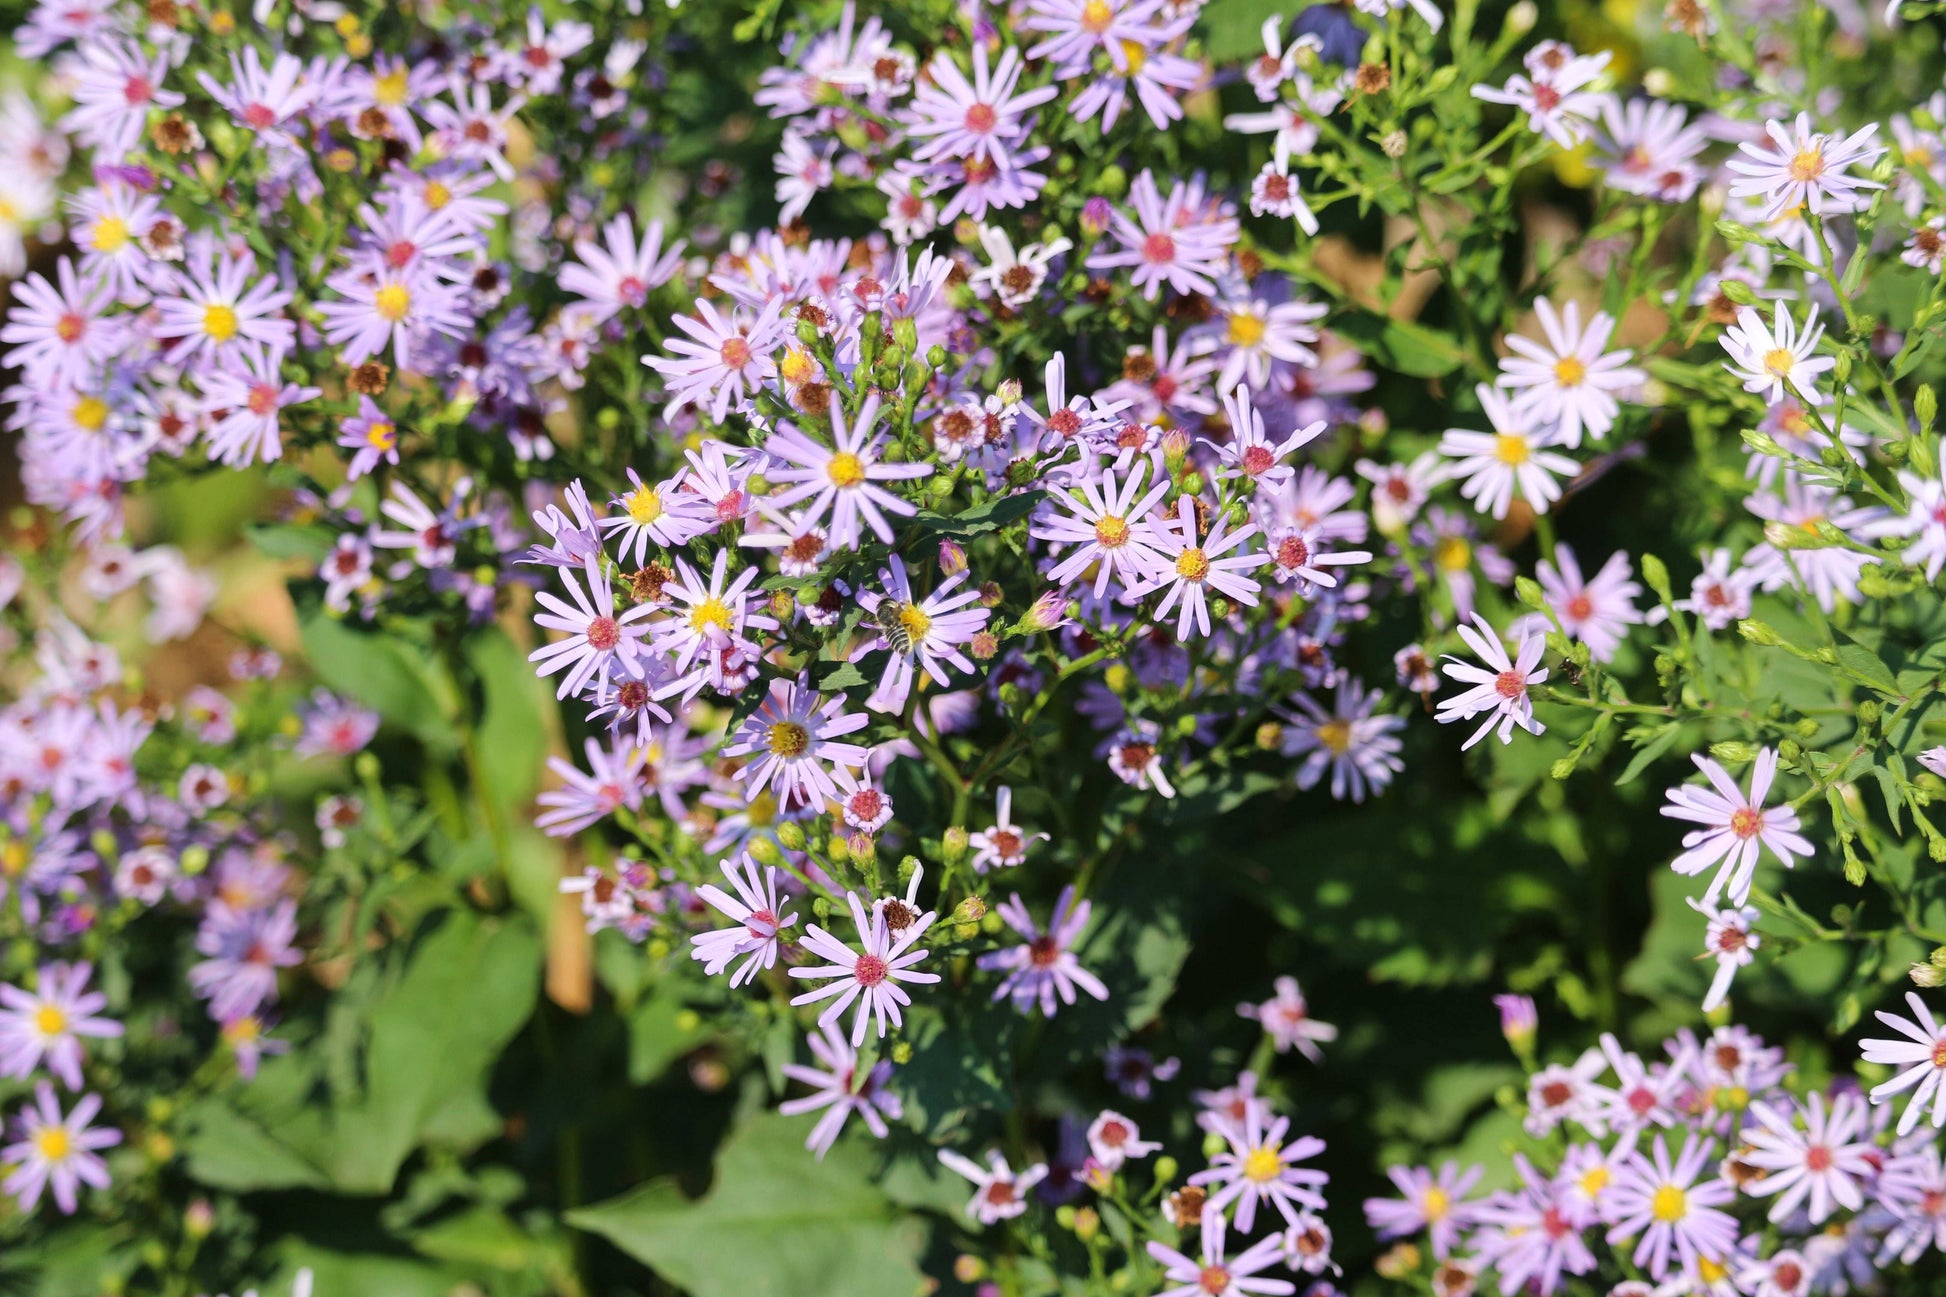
x=115 y=804
x=1659 y=1169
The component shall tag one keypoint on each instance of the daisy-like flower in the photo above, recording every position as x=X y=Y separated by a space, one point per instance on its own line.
x=1400 y=490
x=252 y=394
x=1924 y=518
x=1216 y=1273
x=1764 y=359
x=1570 y=379
x=263 y=99
x=1553 y=92
x=1044 y=967
x=1426 y=1202
x=57 y=1152
x=1731 y=939
x=1823 y=1163
x=1015 y=278
x=716 y=618
x=1512 y=459
x=1358 y=746
x=1275 y=192
x=867 y=807
x=612 y=781
x=759 y=916
x=1196 y=567
x=1661 y=1204
x=44 y=1027
x=1557 y=1094
x=1828 y=571
x=841 y=1090
x=471 y=129
x=1250 y=452
x=1720 y=594
x=1597 y=611
x=1500 y=688
x=1735 y=827
x=1921 y=1056
x=921 y=634
x=1913 y=1189
x=1114 y=1139
x=1651 y=148
x=600 y=640
x=619 y=273
x=1136 y=759
x=1802 y=168
x=1259 y=1167
x=372 y=436
x=841 y=480
x=1287 y=1017
x=723 y=361
x=1257 y=335
x=62 y=336
x=1926 y=249
x=999 y=1192
x=1167 y=242
x=391 y=308
x=979 y=119
x=870 y=977
x=1004 y=845
x=1530 y=1237
x=1105 y=521
x=794 y=739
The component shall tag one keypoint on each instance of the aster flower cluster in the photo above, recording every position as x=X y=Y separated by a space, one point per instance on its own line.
x=886 y=514
x=1711 y=1167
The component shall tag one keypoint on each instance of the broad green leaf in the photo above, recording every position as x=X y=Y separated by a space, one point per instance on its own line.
x=776 y=1223
x=380 y=672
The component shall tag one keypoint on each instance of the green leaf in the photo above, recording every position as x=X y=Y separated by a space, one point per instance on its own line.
x=776 y=1223
x=1865 y=664
x=291 y=540
x=469 y=988
x=1648 y=752
x=989 y=516
x=378 y=671
x=1405 y=346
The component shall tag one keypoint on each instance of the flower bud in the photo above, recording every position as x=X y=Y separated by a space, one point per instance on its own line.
x=1925 y=404
x=765 y=852
x=859 y=847
x=902 y=1052
x=1096 y=214
x=983 y=645
x=838 y=849
x=1926 y=976
x=1867 y=713
x=790 y=835
x=1735 y=289
x=970 y=910
x=936 y=356
x=1165 y=1169
x=807 y=333
x=952 y=844
x=1735 y=752
x=1519 y=1019
x=968 y=1268
x=952 y=557
x=1046 y=612
x=1086 y=1224
x=1656 y=575
x=991 y=594
x=1269 y=735
x=1759 y=633
x=1789 y=751
x=1529 y=592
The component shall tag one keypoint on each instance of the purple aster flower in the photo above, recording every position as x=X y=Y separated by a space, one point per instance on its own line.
x=57 y=1151
x=1044 y=966
x=1181 y=241
x=243 y=950
x=44 y=1027
x=872 y=976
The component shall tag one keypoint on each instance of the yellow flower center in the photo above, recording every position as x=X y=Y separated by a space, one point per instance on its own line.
x=1569 y=371
x=1111 y=531
x=644 y=505
x=436 y=195
x=219 y=322
x=788 y=739
x=762 y=809
x=49 y=1020
x=915 y=621
x=110 y=234
x=90 y=412
x=1245 y=330
x=1711 y=1271
x=1511 y=450
x=1453 y=554
x=1192 y=565
x=1262 y=1165
x=797 y=368
x=1336 y=737
x=1594 y=1180
x=393 y=301
x=845 y=469
x=1096 y=15
x=1138 y=57
x=710 y=613
x=390 y=88
x=1807 y=164
x=54 y=1143
x=1670 y=1204
x=1779 y=361
x=1436 y=1203
x=242 y=1030
x=382 y=436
